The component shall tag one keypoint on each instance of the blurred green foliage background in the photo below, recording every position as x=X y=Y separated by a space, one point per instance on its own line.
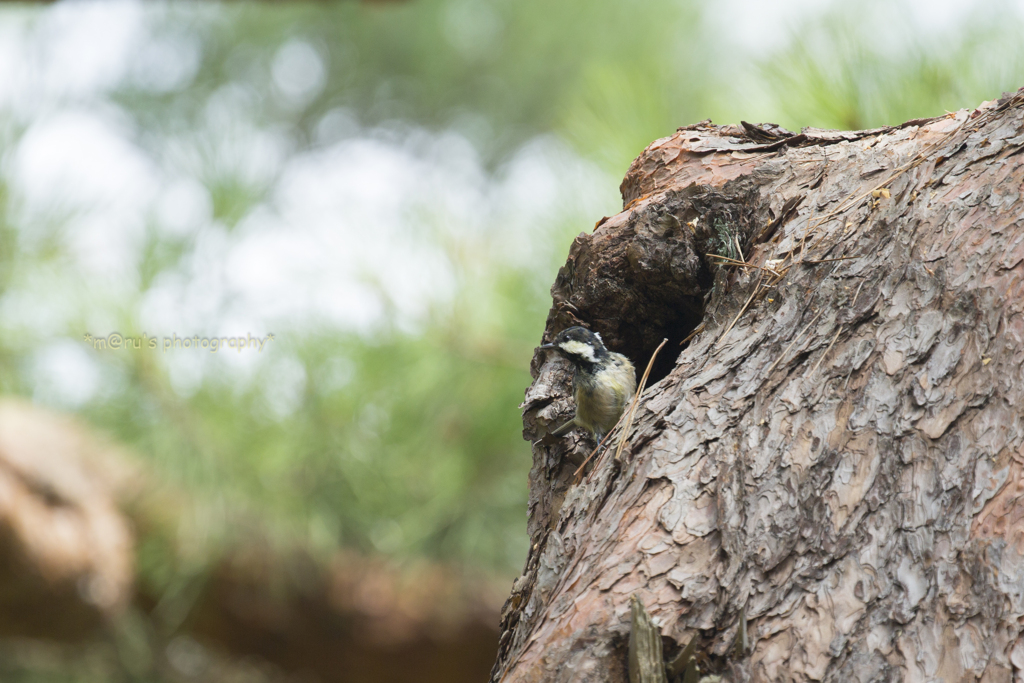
x=389 y=189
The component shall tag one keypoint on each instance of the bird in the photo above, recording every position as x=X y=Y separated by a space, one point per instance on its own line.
x=604 y=382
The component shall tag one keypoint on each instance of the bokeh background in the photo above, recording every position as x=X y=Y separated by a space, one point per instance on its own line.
x=387 y=188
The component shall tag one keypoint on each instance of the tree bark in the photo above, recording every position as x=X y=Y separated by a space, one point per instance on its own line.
x=837 y=454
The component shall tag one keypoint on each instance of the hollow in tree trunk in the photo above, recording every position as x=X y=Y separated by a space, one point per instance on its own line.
x=831 y=452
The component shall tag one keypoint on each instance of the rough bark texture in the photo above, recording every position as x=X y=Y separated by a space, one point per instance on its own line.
x=845 y=463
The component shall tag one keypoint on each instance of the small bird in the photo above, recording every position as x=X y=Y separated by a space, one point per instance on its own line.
x=603 y=381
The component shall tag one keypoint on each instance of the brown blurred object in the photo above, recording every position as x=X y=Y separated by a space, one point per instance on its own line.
x=358 y=620
x=72 y=506
x=66 y=552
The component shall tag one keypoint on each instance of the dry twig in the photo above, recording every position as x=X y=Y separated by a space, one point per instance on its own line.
x=793 y=343
x=742 y=310
x=636 y=400
x=629 y=413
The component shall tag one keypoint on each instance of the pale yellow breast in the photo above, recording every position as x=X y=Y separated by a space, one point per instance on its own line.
x=600 y=403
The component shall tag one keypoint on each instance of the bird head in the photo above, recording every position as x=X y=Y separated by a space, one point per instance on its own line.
x=579 y=345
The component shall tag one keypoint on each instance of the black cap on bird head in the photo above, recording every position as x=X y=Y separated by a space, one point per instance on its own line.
x=579 y=345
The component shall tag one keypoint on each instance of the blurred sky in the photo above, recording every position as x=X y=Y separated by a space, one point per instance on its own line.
x=758 y=27
x=348 y=224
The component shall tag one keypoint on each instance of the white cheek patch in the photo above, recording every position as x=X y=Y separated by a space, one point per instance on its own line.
x=578 y=348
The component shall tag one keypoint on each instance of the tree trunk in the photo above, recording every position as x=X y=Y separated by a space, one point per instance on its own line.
x=836 y=455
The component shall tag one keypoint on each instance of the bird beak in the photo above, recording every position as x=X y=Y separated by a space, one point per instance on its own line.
x=548 y=346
